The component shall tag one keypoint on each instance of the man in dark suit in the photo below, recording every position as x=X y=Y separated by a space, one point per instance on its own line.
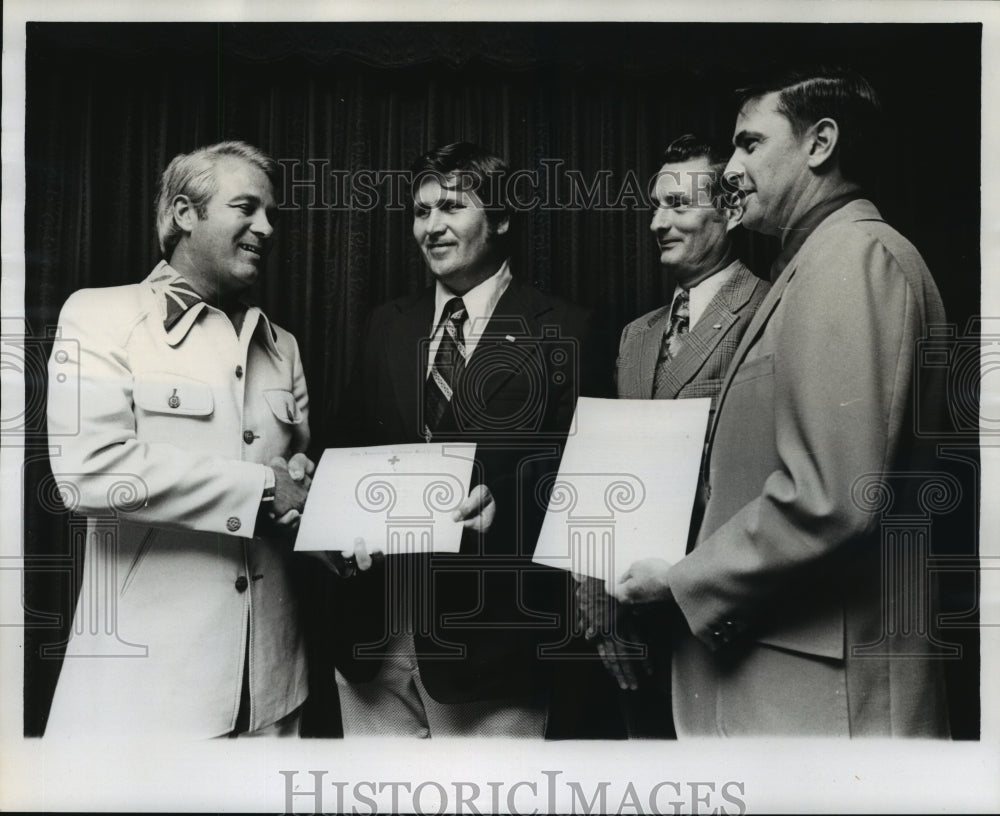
x=449 y=644
x=792 y=597
x=681 y=350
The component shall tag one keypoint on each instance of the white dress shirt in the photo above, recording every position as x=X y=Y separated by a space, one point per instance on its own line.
x=480 y=301
x=703 y=292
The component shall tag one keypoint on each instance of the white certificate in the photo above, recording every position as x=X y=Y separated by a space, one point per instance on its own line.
x=399 y=499
x=626 y=485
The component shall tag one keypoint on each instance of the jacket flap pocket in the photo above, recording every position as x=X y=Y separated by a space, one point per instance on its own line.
x=820 y=636
x=283 y=405
x=166 y=393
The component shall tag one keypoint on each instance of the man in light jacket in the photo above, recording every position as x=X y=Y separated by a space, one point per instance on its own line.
x=192 y=409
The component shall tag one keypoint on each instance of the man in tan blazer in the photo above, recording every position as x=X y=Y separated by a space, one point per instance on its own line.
x=681 y=350
x=785 y=628
x=190 y=403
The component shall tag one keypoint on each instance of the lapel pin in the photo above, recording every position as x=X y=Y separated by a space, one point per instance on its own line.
x=717 y=326
x=510 y=337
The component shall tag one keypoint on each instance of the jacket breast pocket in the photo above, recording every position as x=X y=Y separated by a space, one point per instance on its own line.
x=164 y=393
x=701 y=388
x=283 y=405
x=753 y=370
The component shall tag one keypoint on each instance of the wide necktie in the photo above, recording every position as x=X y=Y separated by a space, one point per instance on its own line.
x=673 y=337
x=449 y=362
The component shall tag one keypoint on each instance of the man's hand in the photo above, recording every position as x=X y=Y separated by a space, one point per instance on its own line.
x=610 y=625
x=350 y=565
x=619 y=659
x=644 y=582
x=289 y=493
x=593 y=607
x=477 y=511
x=301 y=468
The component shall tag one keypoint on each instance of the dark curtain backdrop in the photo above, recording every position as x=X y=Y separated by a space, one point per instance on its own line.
x=109 y=104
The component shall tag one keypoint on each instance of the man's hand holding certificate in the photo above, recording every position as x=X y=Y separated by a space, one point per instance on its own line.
x=393 y=499
x=625 y=491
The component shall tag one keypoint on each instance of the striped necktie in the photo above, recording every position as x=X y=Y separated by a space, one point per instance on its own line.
x=449 y=362
x=673 y=337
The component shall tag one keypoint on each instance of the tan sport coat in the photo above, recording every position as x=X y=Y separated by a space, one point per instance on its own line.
x=783 y=592
x=159 y=438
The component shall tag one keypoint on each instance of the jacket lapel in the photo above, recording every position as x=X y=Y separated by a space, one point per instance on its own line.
x=856 y=210
x=753 y=331
x=405 y=345
x=702 y=341
x=650 y=341
x=509 y=340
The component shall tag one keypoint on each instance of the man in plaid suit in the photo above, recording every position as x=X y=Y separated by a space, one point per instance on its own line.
x=681 y=350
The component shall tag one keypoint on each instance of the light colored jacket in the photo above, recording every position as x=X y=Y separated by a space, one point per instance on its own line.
x=788 y=592
x=160 y=439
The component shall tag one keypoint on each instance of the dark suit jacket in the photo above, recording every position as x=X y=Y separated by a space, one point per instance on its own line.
x=488 y=608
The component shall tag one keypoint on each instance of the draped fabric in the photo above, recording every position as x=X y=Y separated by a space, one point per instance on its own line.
x=109 y=105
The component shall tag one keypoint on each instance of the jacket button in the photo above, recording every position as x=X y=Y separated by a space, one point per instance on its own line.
x=233 y=524
x=242 y=583
x=248 y=437
x=239 y=371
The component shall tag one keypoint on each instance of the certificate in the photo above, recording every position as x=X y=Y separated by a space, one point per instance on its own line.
x=625 y=487
x=399 y=499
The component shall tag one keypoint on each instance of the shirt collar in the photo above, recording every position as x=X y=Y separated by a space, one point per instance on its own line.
x=703 y=291
x=180 y=306
x=795 y=237
x=480 y=301
x=175 y=297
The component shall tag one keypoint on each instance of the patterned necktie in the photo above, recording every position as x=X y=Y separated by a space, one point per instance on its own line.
x=449 y=362
x=673 y=337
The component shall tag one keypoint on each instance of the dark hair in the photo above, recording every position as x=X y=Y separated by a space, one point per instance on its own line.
x=694 y=146
x=807 y=95
x=470 y=168
x=193 y=175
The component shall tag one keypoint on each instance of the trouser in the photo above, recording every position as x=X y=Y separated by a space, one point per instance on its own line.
x=395 y=703
x=287 y=726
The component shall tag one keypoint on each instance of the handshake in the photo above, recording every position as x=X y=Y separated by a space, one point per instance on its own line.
x=292 y=480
